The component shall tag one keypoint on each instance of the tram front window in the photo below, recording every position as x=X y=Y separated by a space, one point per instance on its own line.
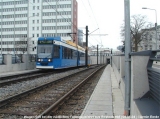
x=45 y=51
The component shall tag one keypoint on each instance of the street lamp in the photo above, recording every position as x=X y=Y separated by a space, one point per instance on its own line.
x=155 y=23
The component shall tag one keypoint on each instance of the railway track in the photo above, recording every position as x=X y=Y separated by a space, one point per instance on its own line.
x=34 y=101
x=73 y=106
x=8 y=80
x=12 y=88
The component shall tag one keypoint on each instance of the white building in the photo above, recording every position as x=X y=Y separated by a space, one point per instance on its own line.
x=80 y=37
x=23 y=21
x=149 y=40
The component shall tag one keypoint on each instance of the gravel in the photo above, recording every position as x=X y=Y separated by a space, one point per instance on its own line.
x=20 y=87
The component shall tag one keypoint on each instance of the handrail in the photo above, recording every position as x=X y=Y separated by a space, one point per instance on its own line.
x=153 y=74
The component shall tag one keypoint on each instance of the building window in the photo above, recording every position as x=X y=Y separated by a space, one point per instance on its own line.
x=33 y=7
x=146 y=47
x=32 y=35
x=32 y=28
x=150 y=47
x=33 y=14
x=37 y=21
x=37 y=7
x=37 y=35
x=37 y=28
x=33 y=21
x=150 y=37
x=33 y=1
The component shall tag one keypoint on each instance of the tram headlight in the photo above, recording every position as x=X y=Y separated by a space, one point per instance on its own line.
x=40 y=60
x=49 y=60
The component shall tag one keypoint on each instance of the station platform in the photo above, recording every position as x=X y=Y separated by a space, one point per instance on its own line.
x=106 y=101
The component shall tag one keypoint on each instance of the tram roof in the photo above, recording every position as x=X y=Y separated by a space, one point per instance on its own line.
x=50 y=38
x=65 y=41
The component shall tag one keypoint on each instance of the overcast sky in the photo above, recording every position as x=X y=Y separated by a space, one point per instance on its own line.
x=108 y=16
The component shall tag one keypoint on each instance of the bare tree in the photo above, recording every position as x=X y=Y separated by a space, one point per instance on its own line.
x=24 y=44
x=21 y=45
x=138 y=26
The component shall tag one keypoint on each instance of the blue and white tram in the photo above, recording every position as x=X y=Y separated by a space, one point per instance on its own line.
x=55 y=53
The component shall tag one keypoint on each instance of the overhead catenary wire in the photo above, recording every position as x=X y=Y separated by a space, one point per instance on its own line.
x=71 y=23
x=95 y=19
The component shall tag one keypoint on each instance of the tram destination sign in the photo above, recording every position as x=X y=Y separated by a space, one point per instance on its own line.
x=45 y=42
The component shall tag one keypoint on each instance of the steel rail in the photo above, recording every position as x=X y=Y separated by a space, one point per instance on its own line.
x=55 y=106
x=18 y=74
x=20 y=95
x=20 y=79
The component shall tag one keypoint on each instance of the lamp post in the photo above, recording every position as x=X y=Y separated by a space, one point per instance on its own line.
x=155 y=23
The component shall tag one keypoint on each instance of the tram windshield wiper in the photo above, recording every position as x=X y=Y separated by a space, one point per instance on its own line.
x=48 y=55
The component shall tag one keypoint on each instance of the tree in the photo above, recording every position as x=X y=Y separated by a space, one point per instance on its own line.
x=138 y=26
x=21 y=45
x=24 y=44
x=123 y=48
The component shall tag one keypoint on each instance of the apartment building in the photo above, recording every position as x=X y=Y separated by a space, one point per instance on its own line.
x=149 y=40
x=23 y=21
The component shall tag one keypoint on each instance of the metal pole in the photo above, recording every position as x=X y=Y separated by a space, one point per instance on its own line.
x=111 y=58
x=97 y=54
x=155 y=23
x=156 y=28
x=56 y=18
x=28 y=30
x=86 y=46
x=14 y=26
x=156 y=34
x=1 y=24
x=127 y=58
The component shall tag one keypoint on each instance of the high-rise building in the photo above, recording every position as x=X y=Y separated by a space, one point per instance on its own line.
x=80 y=37
x=23 y=21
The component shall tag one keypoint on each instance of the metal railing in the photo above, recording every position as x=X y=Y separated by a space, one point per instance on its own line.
x=154 y=76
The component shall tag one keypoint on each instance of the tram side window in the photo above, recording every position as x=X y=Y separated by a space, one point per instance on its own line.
x=82 y=55
x=71 y=53
x=64 y=53
x=67 y=53
x=56 y=51
x=74 y=54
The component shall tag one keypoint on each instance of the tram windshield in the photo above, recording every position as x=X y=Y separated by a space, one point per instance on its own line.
x=45 y=51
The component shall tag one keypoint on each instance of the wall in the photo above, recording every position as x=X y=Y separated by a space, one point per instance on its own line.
x=118 y=66
x=101 y=59
x=140 y=104
x=9 y=67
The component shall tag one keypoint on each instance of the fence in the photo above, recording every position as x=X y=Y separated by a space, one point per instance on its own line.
x=145 y=81
x=154 y=76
